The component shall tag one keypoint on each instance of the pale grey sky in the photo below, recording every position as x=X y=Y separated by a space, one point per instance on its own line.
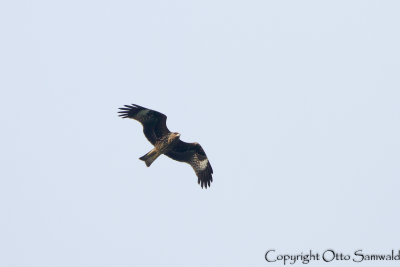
x=295 y=102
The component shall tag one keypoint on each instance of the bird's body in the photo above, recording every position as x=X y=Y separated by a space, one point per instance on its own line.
x=162 y=146
x=167 y=143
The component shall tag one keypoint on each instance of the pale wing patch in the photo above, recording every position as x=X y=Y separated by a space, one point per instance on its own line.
x=143 y=113
x=203 y=164
x=200 y=165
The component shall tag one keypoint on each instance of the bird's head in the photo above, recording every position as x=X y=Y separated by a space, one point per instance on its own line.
x=173 y=137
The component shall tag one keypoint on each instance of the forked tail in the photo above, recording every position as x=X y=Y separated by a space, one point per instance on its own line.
x=150 y=157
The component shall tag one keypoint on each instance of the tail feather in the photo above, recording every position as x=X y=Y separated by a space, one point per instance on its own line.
x=150 y=157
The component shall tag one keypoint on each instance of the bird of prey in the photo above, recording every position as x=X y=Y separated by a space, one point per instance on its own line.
x=168 y=143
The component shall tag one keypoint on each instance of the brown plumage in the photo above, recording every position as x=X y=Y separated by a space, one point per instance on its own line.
x=168 y=143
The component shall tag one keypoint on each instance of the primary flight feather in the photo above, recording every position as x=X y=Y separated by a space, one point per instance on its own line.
x=168 y=143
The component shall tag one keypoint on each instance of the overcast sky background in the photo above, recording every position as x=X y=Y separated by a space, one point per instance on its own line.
x=296 y=104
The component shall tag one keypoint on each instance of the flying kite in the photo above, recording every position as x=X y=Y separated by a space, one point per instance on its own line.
x=168 y=143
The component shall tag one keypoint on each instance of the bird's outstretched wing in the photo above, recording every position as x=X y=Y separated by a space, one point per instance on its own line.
x=154 y=123
x=193 y=154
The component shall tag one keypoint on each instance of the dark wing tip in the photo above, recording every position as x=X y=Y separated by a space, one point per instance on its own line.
x=205 y=177
x=129 y=111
